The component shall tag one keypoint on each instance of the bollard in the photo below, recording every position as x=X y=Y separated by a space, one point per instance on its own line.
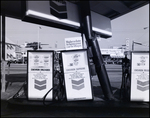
x=3 y=81
x=8 y=63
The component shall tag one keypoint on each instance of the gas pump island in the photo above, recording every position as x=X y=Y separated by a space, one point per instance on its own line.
x=73 y=80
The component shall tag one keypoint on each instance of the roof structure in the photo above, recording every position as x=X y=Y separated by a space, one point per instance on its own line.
x=110 y=9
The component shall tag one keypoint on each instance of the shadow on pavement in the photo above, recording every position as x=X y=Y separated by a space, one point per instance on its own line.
x=12 y=78
x=100 y=108
x=16 y=77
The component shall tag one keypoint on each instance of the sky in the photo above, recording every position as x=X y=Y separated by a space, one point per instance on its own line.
x=20 y=32
x=130 y=26
x=126 y=27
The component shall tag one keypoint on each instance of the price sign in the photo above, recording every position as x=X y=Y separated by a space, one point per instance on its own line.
x=73 y=43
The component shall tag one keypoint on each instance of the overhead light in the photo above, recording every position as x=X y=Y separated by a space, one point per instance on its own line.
x=102 y=31
x=50 y=17
x=145 y=28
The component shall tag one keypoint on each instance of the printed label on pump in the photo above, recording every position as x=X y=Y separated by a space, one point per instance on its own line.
x=40 y=61
x=75 y=61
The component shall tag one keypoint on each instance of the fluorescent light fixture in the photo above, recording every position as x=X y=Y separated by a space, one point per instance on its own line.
x=50 y=17
x=101 y=31
x=66 y=21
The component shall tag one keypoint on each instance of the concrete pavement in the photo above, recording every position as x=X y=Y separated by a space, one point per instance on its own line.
x=96 y=108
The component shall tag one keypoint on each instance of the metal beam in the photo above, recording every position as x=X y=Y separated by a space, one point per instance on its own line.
x=3 y=36
x=116 y=6
x=97 y=57
x=3 y=81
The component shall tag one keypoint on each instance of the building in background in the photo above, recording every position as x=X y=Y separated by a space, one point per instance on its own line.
x=18 y=52
x=113 y=55
x=12 y=50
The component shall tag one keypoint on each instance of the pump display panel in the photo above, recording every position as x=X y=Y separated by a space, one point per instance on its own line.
x=76 y=75
x=40 y=74
x=139 y=76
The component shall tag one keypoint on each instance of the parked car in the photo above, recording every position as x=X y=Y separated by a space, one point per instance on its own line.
x=25 y=60
x=119 y=61
x=13 y=60
x=22 y=60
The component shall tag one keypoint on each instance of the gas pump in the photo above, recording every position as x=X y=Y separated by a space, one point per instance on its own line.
x=86 y=29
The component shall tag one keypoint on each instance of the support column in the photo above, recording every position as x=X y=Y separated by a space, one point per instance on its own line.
x=97 y=57
x=3 y=80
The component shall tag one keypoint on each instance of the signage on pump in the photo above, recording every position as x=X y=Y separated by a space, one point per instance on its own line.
x=140 y=77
